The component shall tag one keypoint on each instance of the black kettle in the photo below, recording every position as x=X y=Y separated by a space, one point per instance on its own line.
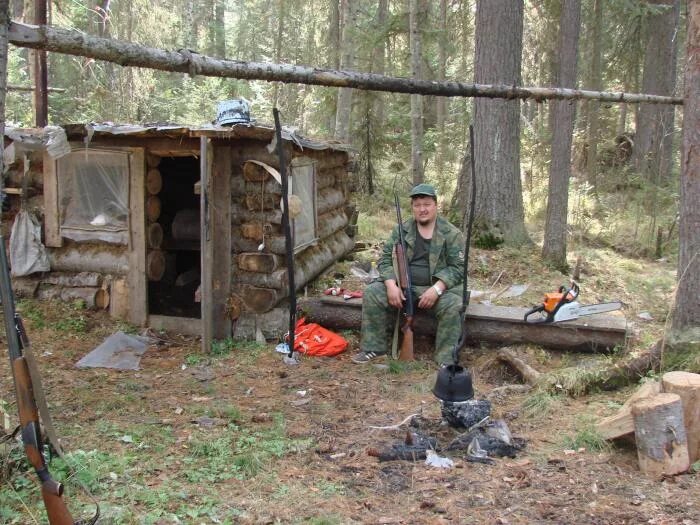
x=453 y=384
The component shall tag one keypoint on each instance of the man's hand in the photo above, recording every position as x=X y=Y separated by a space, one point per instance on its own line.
x=428 y=298
x=394 y=294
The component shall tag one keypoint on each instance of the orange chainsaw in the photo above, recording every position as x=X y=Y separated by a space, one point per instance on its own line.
x=562 y=306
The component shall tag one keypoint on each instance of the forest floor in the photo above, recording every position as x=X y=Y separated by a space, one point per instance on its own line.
x=240 y=437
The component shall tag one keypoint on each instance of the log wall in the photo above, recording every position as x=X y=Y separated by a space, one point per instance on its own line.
x=260 y=277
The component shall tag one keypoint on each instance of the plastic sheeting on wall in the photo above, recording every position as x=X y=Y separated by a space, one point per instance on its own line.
x=27 y=253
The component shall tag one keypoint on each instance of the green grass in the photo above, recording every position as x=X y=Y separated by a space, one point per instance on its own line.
x=586 y=436
x=540 y=404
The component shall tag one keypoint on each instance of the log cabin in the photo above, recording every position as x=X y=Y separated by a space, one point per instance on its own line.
x=178 y=227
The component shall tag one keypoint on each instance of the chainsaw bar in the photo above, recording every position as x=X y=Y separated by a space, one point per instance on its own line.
x=574 y=310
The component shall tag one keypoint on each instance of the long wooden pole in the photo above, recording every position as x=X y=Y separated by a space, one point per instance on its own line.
x=41 y=76
x=73 y=42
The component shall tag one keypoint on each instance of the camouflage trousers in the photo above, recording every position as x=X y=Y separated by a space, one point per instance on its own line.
x=378 y=318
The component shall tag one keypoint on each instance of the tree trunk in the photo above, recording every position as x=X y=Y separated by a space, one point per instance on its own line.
x=219 y=29
x=593 y=106
x=279 y=39
x=124 y=53
x=416 y=100
x=41 y=76
x=562 y=121
x=4 y=24
x=654 y=135
x=686 y=312
x=347 y=50
x=441 y=102
x=499 y=199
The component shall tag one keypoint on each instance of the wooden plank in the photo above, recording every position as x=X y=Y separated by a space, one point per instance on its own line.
x=220 y=234
x=136 y=276
x=52 y=234
x=206 y=243
x=490 y=324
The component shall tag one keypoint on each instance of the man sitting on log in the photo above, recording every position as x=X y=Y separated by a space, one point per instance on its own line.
x=435 y=255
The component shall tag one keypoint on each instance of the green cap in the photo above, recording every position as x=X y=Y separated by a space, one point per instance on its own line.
x=423 y=189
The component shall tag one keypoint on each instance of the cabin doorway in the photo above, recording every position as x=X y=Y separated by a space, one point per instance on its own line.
x=174 y=270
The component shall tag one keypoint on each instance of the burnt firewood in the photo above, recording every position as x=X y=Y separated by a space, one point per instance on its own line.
x=413 y=448
x=465 y=414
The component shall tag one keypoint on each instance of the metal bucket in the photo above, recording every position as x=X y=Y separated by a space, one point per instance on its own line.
x=235 y=111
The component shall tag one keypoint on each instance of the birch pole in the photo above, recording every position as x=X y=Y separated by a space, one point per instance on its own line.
x=72 y=42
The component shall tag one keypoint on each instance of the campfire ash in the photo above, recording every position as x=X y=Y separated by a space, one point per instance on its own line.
x=483 y=439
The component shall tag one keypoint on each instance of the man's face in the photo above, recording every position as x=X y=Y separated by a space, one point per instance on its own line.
x=424 y=209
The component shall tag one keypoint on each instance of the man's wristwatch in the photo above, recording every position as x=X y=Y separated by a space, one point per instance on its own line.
x=438 y=291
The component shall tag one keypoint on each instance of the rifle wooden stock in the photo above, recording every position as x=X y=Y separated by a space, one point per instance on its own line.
x=51 y=490
x=406 y=350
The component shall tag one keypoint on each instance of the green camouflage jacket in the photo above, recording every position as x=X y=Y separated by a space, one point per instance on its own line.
x=446 y=253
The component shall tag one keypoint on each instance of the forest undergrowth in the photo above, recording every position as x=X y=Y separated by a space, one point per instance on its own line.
x=238 y=437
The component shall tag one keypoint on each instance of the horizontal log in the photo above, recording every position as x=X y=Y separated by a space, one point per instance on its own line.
x=259 y=262
x=154 y=236
x=93 y=297
x=154 y=181
x=186 y=225
x=73 y=279
x=307 y=264
x=90 y=258
x=258 y=299
x=73 y=42
x=153 y=207
x=329 y=199
x=331 y=222
x=240 y=215
x=502 y=325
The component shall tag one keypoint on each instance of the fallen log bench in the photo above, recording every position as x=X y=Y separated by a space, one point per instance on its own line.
x=502 y=325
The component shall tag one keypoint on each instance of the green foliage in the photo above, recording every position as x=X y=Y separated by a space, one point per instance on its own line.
x=30 y=310
x=586 y=436
x=540 y=404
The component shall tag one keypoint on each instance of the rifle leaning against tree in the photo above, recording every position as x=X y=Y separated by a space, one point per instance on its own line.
x=404 y=281
x=51 y=490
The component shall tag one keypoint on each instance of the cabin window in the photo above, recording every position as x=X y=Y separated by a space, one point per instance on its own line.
x=303 y=184
x=93 y=195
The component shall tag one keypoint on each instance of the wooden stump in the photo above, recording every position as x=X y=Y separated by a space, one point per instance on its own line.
x=662 y=446
x=687 y=386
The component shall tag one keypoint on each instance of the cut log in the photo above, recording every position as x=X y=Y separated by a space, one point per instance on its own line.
x=25 y=286
x=259 y=262
x=307 y=264
x=260 y=202
x=153 y=208
x=73 y=279
x=256 y=230
x=155 y=265
x=529 y=374
x=102 y=299
x=90 y=258
x=331 y=222
x=241 y=214
x=329 y=199
x=119 y=299
x=253 y=172
x=88 y=295
x=154 y=181
x=501 y=325
x=186 y=225
x=152 y=161
x=258 y=299
x=662 y=446
x=154 y=236
x=621 y=424
x=687 y=386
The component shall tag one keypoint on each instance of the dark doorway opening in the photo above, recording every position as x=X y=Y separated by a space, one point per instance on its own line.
x=175 y=294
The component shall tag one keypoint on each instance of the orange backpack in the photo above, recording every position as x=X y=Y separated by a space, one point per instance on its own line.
x=313 y=339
